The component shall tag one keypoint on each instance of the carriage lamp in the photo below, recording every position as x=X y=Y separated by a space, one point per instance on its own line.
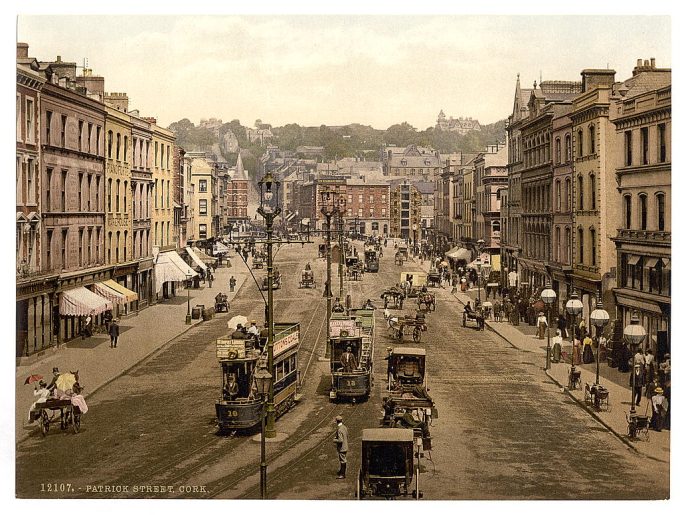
x=548 y=296
x=599 y=318
x=634 y=334
x=574 y=308
x=263 y=382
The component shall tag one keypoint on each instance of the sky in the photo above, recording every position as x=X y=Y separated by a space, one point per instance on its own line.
x=312 y=69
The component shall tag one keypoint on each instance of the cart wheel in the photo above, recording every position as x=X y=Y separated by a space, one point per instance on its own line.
x=416 y=334
x=44 y=423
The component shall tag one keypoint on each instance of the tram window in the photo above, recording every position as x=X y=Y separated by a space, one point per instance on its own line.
x=279 y=371
x=286 y=367
x=292 y=363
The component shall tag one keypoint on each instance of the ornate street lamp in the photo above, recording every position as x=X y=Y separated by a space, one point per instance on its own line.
x=574 y=308
x=269 y=209
x=328 y=209
x=599 y=318
x=341 y=209
x=263 y=384
x=633 y=334
x=548 y=296
x=188 y=318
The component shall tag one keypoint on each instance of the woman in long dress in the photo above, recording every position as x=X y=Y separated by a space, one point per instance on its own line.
x=588 y=356
x=557 y=347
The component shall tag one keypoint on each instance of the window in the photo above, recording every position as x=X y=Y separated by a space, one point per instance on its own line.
x=661 y=211
x=110 y=143
x=81 y=233
x=48 y=127
x=591 y=138
x=567 y=186
x=19 y=117
x=48 y=189
x=48 y=250
x=167 y=159
x=627 y=210
x=202 y=231
x=579 y=192
x=558 y=151
x=558 y=196
x=643 y=211
x=202 y=207
x=99 y=133
x=580 y=245
x=558 y=246
x=98 y=242
x=63 y=130
x=30 y=120
x=117 y=195
x=593 y=192
x=64 y=176
x=203 y=186
x=80 y=192
x=162 y=154
x=579 y=143
x=30 y=182
x=125 y=197
x=567 y=145
x=155 y=155
x=125 y=147
x=644 y=145
x=80 y=135
x=64 y=243
x=89 y=137
x=593 y=247
x=89 y=245
x=117 y=246
x=117 y=146
x=567 y=237
x=661 y=137
x=108 y=196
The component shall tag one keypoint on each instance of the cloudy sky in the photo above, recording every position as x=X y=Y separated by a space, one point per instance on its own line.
x=337 y=69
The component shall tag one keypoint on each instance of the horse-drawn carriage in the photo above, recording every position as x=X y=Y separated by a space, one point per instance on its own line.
x=355 y=268
x=434 y=278
x=477 y=318
x=258 y=260
x=276 y=280
x=307 y=279
x=399 y=326
x=390 y=464
x=221 y=303
x=68 y=414
x=393 y=297
x=426 y=301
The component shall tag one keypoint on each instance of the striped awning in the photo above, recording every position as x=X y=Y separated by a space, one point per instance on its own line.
x=196 y=259
x=115 y=292
x=204 y=257
x=170 y=267
x=81 y=302
x=220 y=248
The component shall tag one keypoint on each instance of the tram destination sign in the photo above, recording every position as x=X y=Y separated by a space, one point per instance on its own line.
x=344 y=328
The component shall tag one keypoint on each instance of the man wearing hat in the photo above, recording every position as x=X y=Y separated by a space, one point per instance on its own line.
x=114 y=331
x=659 y=407
x=348 y=361
x=541 y=325
x=55 y=376
x=342 y=443
x=42 y=393
x=390 y=368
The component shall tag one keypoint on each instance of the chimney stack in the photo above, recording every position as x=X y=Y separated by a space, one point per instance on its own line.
x=652 y=62
x=22 y=51
x=592 y=78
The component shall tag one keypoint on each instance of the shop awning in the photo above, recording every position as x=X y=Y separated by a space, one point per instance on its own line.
x=115 y=292
x=462 y=255
x=196 y=259
x=220 y=248
x=81 y=302
x=205 y=257
x=651 y=262
x=451 y=252
x=170 y=267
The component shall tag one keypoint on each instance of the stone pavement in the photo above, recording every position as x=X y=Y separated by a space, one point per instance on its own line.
x=522 y=337
x=141 y=335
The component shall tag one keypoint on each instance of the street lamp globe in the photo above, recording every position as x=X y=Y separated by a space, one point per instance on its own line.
x=574 y=305
x=269 y=195
x=599 y=317
x=634 y=333
x=263 y=380
x=548 y=296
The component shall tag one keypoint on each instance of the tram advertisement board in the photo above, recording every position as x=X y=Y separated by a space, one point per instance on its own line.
x=344 y=328
x=228 y=348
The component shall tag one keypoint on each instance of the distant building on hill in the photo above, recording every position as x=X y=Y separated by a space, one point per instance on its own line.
x=459 y=125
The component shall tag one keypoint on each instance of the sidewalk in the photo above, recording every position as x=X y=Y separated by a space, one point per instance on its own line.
x=140 y=336
x=522 y=337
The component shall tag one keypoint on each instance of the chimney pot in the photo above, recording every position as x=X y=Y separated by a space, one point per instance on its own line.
x=646 y=63
x=58 y=58
x=22 y=50
x=639 y=62
x=652 y=62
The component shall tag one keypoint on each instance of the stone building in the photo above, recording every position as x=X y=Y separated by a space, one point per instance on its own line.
x=412 y=162
x=642 y=120
x=368 y=205
x=205 y=185
x=405 y=210
x=458 y=125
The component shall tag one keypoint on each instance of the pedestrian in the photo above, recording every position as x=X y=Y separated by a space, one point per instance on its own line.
x=557 y=347
x=562 y=325
x=342 y=444
x=665 y=369
x=541 y=325
x=390 y=368
x=232 y=283
x=497 y=311
x=588 y=356
x=210 y=278
x=87 y=329
x=114 y=331
x=636 y=380
x=42 y=393
x=650 y=373
x=659 y=409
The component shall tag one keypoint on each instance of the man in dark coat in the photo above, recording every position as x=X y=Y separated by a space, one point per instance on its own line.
x=114 y=331
x=341 y=441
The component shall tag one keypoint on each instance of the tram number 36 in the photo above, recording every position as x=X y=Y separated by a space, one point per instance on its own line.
x=231 y=413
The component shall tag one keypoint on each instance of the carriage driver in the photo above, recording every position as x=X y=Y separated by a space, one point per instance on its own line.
x=348 y=361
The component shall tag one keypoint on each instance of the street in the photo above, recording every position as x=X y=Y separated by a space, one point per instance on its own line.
x=504 y=431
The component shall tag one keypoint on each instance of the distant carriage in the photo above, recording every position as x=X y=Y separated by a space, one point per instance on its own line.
x=258 y=261
x=221 y=303
x=393 y=298
x=276 y=281
x=307 y=279
x=434 y=278
x=400 y=326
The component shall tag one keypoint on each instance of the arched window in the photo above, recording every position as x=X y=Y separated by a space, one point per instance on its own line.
x=110 y=143
x=643 y=211
x=117 y=146
x=627 y=210
x=558 y=244
x=579 y=143
x=579 y=242
x=117 y=195
x=567 y=237
x=591 y=138
x=593 y=247
x=661 y=211
x=593 y=192
x=567 y=186
x=558 y=196
x=567 y=148
x=558 y=151
x=579 y=192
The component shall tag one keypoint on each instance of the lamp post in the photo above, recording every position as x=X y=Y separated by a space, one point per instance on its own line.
x=328 y=209
x=263 y=382
x=599 y=318
x=633 y=334
x=342 y=205
x=574 y=308
x=188 y=318
x=548 y=296
x=269 y=209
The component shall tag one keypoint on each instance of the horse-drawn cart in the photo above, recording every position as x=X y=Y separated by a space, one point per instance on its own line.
x=399 y=326
x=221 y=303
x=68 y=414
x=307 y=280
x=434 y=278
x=426 y=301
x=477 y=318
x=393 y=297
